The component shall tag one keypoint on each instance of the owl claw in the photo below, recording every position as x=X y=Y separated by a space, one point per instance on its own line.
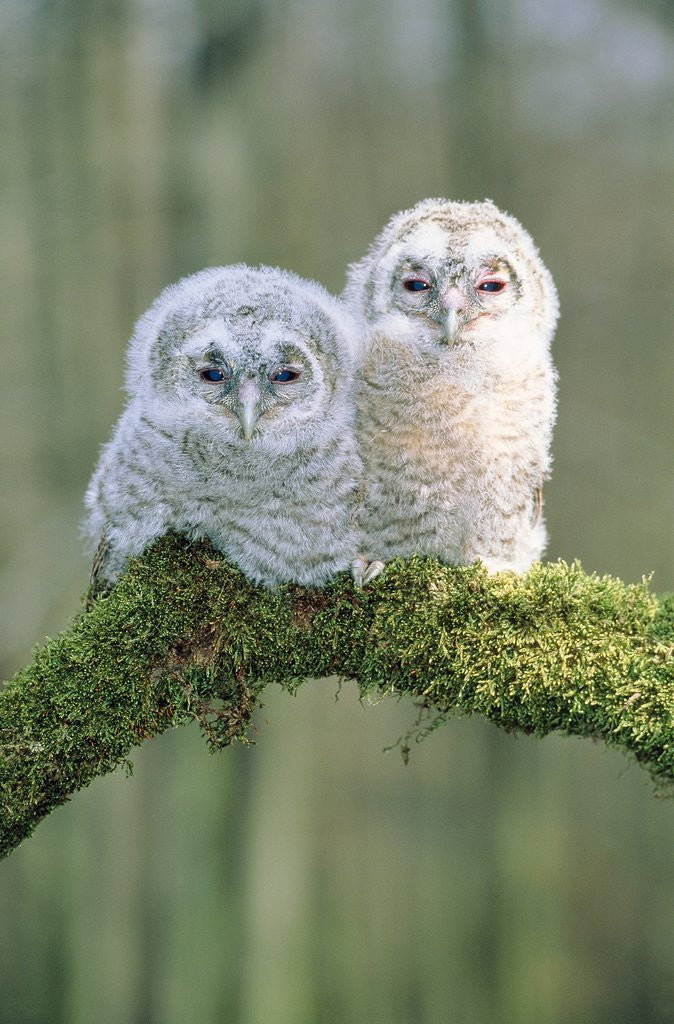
x=373 y=569
x=358 y=567
x=364 y=571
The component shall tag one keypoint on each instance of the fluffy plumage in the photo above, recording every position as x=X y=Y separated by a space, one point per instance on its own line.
x=456 y=399
x=238 y=428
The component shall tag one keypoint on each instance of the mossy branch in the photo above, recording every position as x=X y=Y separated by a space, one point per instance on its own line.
x=186 y=636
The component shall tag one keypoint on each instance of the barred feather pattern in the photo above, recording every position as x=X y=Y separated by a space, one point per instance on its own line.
x=280 y=505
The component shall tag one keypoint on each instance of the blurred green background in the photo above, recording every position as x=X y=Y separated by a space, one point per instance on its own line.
x=313 y=878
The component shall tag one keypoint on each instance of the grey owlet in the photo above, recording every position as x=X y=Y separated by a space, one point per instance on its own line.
x=456 y=396
x=238 y=428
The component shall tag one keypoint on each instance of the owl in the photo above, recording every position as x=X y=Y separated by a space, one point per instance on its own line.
x=455 y=397
x=238 y=429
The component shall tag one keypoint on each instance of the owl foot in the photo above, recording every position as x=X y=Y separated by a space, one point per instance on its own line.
x=364 y=571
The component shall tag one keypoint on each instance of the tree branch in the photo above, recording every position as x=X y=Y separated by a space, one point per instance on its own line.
x=185 y=636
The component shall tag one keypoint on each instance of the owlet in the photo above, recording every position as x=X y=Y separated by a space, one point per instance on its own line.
x=238 y=428
x=456 y=392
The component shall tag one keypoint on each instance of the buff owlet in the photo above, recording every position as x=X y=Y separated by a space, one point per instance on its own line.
x=456 y=392
x=238 y=428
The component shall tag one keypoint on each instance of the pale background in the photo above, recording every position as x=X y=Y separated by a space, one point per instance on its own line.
x=313 y=878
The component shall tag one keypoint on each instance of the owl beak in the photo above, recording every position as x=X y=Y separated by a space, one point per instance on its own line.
x=452 y=326
x=454 y=304
x=248 y=409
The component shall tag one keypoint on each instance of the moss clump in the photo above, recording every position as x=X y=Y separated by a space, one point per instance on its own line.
x=185 y=635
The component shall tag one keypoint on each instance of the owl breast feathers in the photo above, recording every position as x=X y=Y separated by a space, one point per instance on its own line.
x=238 y=428
x=456 y=389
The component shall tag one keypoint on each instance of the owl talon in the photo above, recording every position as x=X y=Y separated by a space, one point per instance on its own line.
x=358 y=567
x=364 y=571
x=373 y=569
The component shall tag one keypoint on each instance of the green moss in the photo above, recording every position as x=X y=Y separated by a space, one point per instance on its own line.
x=185 y=636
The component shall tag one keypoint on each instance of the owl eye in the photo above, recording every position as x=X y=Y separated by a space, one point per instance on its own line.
x=212 y=375
x=491 y=286
x=416 y=284
x=284 y=375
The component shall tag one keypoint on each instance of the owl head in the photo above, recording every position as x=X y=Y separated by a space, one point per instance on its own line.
x=250 y=356
x=450 y=275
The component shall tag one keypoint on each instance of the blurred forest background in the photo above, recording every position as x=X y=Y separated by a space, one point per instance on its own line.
x=314 y=879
